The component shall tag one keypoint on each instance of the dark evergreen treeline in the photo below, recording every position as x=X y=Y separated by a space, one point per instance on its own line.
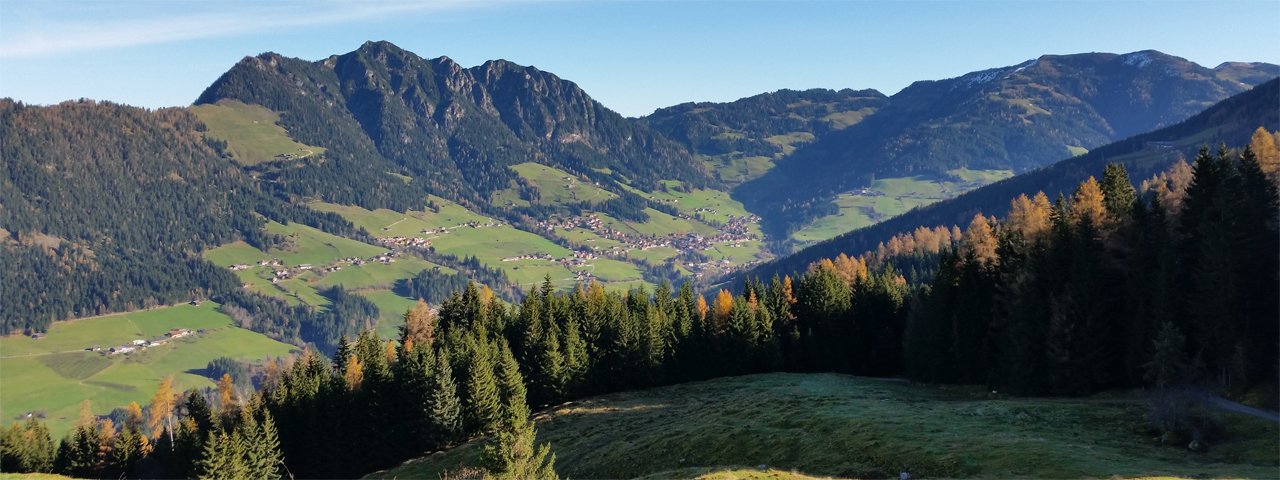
x=1070 y=298
x=432 y=285
x=347 y=315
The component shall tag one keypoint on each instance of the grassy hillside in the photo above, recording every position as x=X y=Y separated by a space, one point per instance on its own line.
x=555 y=187
x=890 y=197
x=54 y=374
x=251 y=132
x=827 y=424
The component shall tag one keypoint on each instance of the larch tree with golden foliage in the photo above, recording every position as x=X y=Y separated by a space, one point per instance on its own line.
x=162 y=403
x=1030 y=216
x=1170 y=186
x=980 y=239
x=419 y=325
x=1266 y=152
x=1088 y=203
x=226 y=394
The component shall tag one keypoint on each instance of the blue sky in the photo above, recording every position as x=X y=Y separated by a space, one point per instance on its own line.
x=633 y=56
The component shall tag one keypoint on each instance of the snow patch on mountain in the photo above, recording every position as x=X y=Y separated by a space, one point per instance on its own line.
x=1025 y=65
x=1136 y=59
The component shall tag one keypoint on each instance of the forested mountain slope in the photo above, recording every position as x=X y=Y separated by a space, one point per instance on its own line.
x=1231 y=121
x=381 y=110
x=740 y=140
x=1018 y=117
x=106 y=206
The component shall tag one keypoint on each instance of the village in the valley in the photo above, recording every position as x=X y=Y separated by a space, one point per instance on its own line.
x=734 y=232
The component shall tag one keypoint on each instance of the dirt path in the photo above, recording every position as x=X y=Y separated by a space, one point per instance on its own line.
x=1245 y=409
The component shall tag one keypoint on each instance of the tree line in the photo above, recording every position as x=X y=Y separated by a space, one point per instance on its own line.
x=1107 y=288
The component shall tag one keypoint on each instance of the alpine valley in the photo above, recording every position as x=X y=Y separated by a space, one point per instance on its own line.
x=411 y=254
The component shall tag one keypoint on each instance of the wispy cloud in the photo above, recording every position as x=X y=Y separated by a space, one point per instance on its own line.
x=228 y=19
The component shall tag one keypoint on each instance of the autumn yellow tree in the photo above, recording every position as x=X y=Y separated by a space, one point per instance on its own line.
x=1087 y=203
x=133 y=416
x=353 y=372
x=1030 y=216
x=226 y=394
x=724 y=307
x=419 y=325
x=980 y=239
x=1170 y=186
x=162 y=403
x=1264 y=148
x=701 y=306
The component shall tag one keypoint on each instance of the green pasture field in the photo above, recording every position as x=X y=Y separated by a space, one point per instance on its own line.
x=890 y=197
x=251 y=132
x=55 y=373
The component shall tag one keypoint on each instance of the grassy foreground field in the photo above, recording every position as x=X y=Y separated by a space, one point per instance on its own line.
x=835 y=425
x=54 y=374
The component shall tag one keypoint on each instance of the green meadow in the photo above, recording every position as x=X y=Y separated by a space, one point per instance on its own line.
x=555 y=187
x=792 y=426
x=890 y=197
x=251 y=132
x=55 y=373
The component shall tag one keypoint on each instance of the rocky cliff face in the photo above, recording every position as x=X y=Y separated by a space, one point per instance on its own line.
x=453 y=129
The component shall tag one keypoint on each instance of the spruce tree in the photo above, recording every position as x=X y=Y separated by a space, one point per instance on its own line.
x=1117 y=191
x=509 y=452
x=445 y=409
x=263 y=458
x=484 y=405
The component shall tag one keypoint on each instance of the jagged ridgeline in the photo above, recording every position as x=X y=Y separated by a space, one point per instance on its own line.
x=385 y=114
x=105 y=208
x=1018 y=117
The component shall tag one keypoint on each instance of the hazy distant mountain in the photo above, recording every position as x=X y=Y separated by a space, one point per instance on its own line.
x=1017 y=117
x=1231 y=121
x=766 y=127
x=454 y=130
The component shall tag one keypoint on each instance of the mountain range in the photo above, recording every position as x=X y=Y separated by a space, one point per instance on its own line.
x=389 y=129
x=1018 y=117
x=1230 y=122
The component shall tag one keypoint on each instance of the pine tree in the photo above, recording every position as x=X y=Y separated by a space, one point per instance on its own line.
x=576 y=359
x=27 y=448
x=222 y=458
x=980 y=240
x=1117 y=191
x=1257 y=254
x=1030 y=217
x=262 y=457
x=445 y=409
x=484 y=405
x=509 y=453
